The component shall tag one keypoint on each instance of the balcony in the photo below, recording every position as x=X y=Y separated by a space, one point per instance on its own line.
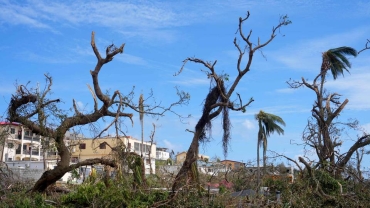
x=36 y=139
x=33 y=152
x=52 y=156
x=27 y=152
x=27 y=138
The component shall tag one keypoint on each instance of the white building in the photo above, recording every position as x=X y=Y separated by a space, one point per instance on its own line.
x=146 y=147
x=19 y=143
x=162 y=154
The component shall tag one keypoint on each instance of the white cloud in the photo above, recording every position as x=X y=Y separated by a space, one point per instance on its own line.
x=7 y=89
x=278 y=110
x=172 y=146
x=366 y=127
x=191 y=81
x=140 y=18
x=355 y=87
x=131 y=59
x=306 y=55
x=286 y=90
x=248 y=124
x=52 y=59
x=16 y=15
x=82 y=107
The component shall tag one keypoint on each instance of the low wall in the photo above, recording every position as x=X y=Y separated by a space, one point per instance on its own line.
x=27 y=173
x=34 y=174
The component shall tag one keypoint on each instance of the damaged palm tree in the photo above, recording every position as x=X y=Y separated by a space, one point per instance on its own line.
x=323 y=133
x=41 y=115
x=218 y=99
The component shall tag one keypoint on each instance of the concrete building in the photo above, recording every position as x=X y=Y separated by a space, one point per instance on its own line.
x=162 y=154
x=18 y=143
x=180 y=157
x=233 y=165
x=101 y=147
x=211 y=168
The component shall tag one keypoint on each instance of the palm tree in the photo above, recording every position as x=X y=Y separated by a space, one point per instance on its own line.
x=141 y=113
x=335 y=59
x=267 y=124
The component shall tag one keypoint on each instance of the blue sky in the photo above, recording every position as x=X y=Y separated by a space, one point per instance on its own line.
x=53 y=37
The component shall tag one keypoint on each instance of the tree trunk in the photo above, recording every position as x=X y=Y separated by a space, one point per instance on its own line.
x=51 y=176
x=264 y=160
x=191 y=157
x=258 y=163
x=48 y=178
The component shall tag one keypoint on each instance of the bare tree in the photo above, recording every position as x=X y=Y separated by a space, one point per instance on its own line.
x=35 y=110
x=219 y=98
x=359 y=155
x=150 y=149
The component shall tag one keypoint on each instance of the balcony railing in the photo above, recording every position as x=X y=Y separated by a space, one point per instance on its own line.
x=36 y=139
x=27 y=138
x=33 y=139
x=27 y=152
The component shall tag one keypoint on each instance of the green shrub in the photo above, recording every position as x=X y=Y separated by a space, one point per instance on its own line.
x=22 y=200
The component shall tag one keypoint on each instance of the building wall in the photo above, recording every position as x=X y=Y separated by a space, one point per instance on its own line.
x=32 y=170
x=180 y=157
x=162 y=155
x=232 y=164
x=88 y=149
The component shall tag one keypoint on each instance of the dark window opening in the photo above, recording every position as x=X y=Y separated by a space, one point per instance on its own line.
x=82 y=146
x=103 y=146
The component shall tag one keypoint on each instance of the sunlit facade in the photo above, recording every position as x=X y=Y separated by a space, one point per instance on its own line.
x=19 y=143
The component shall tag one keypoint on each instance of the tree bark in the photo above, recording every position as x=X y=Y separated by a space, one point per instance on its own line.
x=191 y=157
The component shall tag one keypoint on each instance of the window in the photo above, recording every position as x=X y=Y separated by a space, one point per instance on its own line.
x=27 y=133
x=74 y=159
x=147 y=148
x=129 y=146
x=10 y=145
x=12 y=130
x=237 y=165
x=82 y=146
x=103 y=146
x=137 y=146
x=147 y=161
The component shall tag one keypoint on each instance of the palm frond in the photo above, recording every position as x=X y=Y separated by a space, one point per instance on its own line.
x=337 y=60
x=344 y=50
x=269 y=123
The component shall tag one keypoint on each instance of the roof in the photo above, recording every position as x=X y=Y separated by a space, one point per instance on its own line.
x=231 y=161
x=162 y=149
x=9 y=123
x=181 y=153
x=248 y=192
